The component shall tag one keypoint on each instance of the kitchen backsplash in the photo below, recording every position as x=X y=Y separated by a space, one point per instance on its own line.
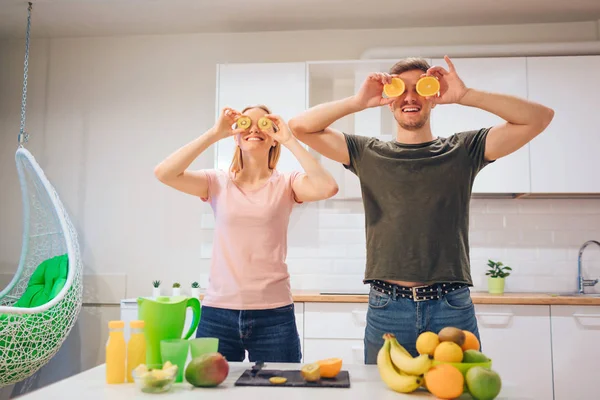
x=539 y=239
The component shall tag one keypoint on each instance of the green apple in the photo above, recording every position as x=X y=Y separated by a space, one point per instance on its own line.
x=483 y=383
x=474 y=356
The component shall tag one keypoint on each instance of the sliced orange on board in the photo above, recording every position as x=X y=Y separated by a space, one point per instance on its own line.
x=428 y=86
x=395 y=88
x=330 y=367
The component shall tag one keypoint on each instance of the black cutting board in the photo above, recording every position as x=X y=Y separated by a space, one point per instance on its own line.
x=294 y=379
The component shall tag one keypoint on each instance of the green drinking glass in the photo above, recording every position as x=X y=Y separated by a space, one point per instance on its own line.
x=204 y=345
x=176 y=352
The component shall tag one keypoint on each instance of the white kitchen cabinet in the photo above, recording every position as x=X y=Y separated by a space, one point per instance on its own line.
x=564 y=158
x=576 y=351
x=509 y=174
x=335 y=320
x=518 y=340
x=280 y=86
x=334 y=330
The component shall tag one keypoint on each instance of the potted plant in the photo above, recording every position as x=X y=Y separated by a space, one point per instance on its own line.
x=176 y=289
x=497 y=273
x=155 y=288
x=195 y=289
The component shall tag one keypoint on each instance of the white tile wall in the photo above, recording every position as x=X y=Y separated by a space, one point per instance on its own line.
x=539 y=239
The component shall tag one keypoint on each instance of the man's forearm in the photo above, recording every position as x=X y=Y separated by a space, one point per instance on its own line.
x=512 y=109
x=323 y=115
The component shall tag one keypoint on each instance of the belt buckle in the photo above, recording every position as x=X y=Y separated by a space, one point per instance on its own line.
x=414 y=292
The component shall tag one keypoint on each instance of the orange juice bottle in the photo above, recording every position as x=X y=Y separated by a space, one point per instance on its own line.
x=115 y=353
x=136 y=348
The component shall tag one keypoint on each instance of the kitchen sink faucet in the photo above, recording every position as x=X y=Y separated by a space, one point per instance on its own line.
x=580 y=280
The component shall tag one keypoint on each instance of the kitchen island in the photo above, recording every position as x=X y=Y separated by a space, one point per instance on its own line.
x=365 y=383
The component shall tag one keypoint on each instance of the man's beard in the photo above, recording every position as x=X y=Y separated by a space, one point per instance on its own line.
x=413 y=125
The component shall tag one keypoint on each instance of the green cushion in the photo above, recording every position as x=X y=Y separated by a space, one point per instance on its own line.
x=45 y=283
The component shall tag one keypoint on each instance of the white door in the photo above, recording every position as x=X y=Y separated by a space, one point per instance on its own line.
x=280 y=86
x=509 y=174
x=564 y=158
x=576 y=352
x=517 y=339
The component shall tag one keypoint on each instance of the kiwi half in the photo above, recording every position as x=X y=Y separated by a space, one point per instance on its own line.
x=265 y=123
x=244 y=122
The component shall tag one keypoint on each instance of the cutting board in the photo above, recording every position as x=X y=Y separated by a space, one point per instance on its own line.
x=294 y=379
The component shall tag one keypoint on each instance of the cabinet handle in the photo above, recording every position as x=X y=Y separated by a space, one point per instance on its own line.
x=586 y=315
x=497 y=318
x=360 y=317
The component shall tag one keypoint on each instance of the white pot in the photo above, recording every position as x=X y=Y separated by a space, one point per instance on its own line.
x=195 y=292
x=155 y=292
x=176 y=291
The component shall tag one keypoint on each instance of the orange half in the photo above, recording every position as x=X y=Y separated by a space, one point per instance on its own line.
x=395 y=88
x=428 y=86
x=330 y=367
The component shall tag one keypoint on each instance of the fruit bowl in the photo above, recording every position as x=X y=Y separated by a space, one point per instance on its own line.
x=155 y=378
x=465 y=367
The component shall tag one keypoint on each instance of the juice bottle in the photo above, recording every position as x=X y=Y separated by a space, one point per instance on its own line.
x=136 y=348
x=115 y=353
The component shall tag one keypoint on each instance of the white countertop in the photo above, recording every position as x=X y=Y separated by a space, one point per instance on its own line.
x=364 y=384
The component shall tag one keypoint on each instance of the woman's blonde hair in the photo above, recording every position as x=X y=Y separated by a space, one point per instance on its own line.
x=237 y=163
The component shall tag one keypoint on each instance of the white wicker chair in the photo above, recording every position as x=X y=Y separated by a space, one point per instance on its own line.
x=30 y=337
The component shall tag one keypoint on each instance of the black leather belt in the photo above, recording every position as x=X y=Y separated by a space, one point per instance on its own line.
x=417 y=293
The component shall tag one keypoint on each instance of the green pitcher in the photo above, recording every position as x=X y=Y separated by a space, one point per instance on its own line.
x=164 y=318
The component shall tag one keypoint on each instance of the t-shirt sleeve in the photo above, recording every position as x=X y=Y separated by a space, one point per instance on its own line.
x=292 y=176
x=474 y=141
x=356 y=146
x=212 y=177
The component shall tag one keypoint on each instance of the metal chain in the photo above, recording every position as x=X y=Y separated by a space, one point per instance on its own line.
x=24 y=136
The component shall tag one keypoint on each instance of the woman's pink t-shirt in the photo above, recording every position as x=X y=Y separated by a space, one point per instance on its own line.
x=248 y=268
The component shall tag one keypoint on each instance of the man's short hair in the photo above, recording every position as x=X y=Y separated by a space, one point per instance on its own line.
x=409 y=64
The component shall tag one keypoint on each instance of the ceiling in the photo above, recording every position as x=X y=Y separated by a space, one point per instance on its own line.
x=59 y=18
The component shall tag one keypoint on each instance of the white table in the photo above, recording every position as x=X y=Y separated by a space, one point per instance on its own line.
x=364 y=384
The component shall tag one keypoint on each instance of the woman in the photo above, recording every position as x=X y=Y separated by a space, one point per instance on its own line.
x=248 y=304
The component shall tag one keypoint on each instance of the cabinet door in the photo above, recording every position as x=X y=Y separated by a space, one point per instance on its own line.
x=280 y=86
x=576 y=351
x=509 y=174
x=564 y=158
x=517 y=339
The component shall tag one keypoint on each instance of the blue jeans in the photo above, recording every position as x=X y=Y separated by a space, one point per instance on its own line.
x=407 y=319
x=268 y=335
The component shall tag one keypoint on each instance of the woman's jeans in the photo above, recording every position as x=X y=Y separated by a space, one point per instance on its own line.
x=407 y=319
x=268 y=335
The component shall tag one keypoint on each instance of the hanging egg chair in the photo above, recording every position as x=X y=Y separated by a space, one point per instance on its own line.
x=42 y=302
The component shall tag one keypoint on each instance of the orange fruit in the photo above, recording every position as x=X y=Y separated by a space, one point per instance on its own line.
x=330 y=367
x=428 y=86
x=445 y=381
x=394 y=89
x=471 y=342
x=448 y=352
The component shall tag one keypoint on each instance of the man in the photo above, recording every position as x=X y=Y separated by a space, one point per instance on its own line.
x=416 y=193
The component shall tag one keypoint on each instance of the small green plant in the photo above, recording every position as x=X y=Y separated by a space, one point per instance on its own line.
x=497 y=269
x=156 y=283
x=195 y=285
x=176 y=285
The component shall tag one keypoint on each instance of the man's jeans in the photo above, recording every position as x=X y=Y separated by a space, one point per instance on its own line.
x=268 y=335
x=406 y=319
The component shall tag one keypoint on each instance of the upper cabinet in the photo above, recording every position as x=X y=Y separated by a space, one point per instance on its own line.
x=565 y=158
x=509 y=174
x=280 y=86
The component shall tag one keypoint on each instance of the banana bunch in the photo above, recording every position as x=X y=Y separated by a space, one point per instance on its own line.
x=398 y=369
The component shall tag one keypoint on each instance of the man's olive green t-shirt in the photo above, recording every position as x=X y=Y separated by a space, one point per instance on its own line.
x=416 y=199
